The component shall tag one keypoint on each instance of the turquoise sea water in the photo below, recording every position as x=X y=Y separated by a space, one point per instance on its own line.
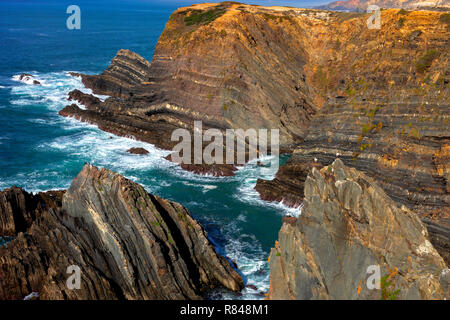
x=39 y=150
x=4 y=240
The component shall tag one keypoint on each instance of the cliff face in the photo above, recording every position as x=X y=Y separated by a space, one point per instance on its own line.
x=386 y=113
x=377 y=99
x=241 y=66
x=348 y=224
x=229 y=65
x=128 y=244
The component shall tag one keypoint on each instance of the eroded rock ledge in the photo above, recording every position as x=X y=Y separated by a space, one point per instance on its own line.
x=128 y=244
x=348 y=224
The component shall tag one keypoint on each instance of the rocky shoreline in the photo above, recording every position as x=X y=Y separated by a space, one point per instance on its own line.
x=128 y=244
x=376 y=100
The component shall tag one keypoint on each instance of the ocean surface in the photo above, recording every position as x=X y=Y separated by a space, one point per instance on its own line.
x=40 y=151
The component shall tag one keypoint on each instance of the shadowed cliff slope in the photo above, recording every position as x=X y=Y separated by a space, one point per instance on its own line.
x=18 y=208
x=128 y=244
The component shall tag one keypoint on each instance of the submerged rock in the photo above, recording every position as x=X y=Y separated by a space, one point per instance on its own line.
x=128 y=244
x=25 y=76
x=348 y=225
x=28 y=79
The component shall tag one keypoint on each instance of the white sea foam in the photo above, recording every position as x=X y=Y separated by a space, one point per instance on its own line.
x=42 y=121
x=52 y=93
x=27 y=79
x=247 y=177
x=207 y=188
x=251 y=259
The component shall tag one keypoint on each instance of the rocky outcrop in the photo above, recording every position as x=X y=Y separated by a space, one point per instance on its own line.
x=377 y=99
x=287 y=186
x=347 y=225
x=126 y=71
x=127 y=243
x=18 y=208
x=239 y=66
x=88 y=100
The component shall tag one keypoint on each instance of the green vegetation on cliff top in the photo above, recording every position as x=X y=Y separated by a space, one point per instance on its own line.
x=204 y=17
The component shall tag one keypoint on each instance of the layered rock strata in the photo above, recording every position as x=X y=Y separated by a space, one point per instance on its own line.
x=376 y=98
x=127 y=243
x=385 y=111
x=239 y=66
x=348 y=228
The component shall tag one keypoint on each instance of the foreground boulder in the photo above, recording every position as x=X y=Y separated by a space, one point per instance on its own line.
x=347 y=225
x=127 y=243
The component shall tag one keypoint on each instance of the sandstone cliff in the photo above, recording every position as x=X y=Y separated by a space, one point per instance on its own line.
x=348 y=224
x=128 y=244
x=229 y=65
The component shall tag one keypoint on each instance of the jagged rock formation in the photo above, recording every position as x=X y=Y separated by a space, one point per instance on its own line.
x=127 y=70
x=18 y=208
x=348 y=224
x=128 y=244
x=88 y=100
x=240 y=66
x=361 y=5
